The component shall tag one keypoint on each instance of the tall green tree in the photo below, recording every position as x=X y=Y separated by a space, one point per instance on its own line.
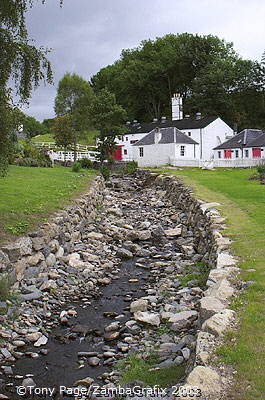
x=108 y=117
x=20 y=62
x=74 y=96
x=206 y=70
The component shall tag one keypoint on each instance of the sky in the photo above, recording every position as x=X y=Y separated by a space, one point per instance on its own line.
x=86 y=35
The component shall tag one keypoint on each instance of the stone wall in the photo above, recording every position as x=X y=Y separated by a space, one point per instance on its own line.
x=215 y=316
x=32 y=254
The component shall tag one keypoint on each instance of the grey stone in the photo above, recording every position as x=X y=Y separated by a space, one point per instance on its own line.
x=147 y=317
x=139 y=305
x=124 y=254
x=50 y=260
x=93 y=361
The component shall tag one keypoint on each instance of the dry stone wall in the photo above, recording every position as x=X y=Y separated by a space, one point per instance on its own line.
x=215 y=316
x=35 y=253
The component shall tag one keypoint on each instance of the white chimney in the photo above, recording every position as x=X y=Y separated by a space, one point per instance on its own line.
x=177 y=108
x=157 y=135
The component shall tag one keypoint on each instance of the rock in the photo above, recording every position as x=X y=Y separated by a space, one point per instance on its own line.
x=186 y=353
x=139 y=305
x=115 y=211
x=204 y=345
x=144 y=235
x=19 y=343
x=35 y=295
x=219 y=323
x=114 y=326
x=38 y=243
x=6 y=353
x=84 y=382
x=50 y=260
x=33 y=337
x=95 y=236
x=225 y=260
x=17 y=249
x=173 y=232
x=206 y=379
x=20 y=268
x=4 y=258
x=113 y=335
x=182 y=319
x=210 y=306
x=124 y=254
x=60 y=252
x=7 y=370
x=28 y=382
x=48 y=285
x=208 y=206
x=41 y=341
x=147 y=317
x=169 y=348
x=35 y=259
x=93 y=361
x=75 y=261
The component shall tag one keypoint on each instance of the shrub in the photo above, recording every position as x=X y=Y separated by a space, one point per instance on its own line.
x=76 y=166
x=261 y=172
x=5 y=286
x=131 y=167
x=86 y=163
x=105 y=171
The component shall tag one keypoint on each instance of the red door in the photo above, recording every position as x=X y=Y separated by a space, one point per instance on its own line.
x=228 y=153
x=256 y=153
x=117 y=155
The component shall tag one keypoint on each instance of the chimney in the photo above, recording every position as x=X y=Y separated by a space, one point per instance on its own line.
x=198 y=115
x=128 y=123
x=163 y=119
x=157 y=135
x=155 y=120
x=177 y=108
x=187 y=116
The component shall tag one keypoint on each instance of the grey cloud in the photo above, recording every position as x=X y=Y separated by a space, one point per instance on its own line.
x=86 y=35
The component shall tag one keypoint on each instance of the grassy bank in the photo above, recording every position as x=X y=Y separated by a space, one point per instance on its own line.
x=243 y=203
x=29 y=195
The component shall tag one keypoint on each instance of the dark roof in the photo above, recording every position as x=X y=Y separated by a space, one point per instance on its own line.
x=168 y=135
x=246 y=138
x=259 y=142
x=186 y=123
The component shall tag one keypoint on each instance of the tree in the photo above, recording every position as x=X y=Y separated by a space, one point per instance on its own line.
x=74 y=96
x=108 y=117
x=32 y=127
x=20 y=62
x=206 y=70
x=63 y=131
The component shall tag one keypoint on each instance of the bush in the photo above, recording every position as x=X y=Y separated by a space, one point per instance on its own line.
x=131 y=167
x=105 y=171
x=33 y=162
x=76 y=166
x=86 y=163
x=5 y=286
x=261 y=172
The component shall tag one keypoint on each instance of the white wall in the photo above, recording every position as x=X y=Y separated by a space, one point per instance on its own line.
x=126 y=145
x=163 y=154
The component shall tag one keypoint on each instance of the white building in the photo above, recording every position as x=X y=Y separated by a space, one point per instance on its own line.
x=246 y=149
x=165 y=146
x=208 y=132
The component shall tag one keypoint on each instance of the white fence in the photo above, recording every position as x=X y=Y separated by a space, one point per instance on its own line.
x=215 y=163
x=53 y=145
x=69 y=155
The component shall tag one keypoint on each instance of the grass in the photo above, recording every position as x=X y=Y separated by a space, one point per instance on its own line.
x=30 y=195
x=88 y=138
x=243 y=203
x=134 y=368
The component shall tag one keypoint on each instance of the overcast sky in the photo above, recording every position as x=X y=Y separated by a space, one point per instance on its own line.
x=86 y=35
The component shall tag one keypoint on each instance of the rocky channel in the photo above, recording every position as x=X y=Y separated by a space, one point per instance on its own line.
x=131 y=282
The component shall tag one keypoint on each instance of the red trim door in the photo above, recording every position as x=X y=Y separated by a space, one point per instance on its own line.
x=228 y=153
x=256 y=153
x=117 y=155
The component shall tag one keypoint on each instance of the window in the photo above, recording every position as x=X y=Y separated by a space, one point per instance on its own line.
x=133 y=141
x=125 y=152
x=127 y=138
x=189 y=133
x=182 y=151
x=246 y=153
x=219 y=154
x=236 y=153
x=141 y=151
x=120 y=137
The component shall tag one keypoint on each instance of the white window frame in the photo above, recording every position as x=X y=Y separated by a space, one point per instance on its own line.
x=141 y=151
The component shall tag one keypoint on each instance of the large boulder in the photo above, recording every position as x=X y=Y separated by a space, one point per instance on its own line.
x=219 y=323
x=210 y=306
x=204 y=380
x=22 y=247
x=139 y=305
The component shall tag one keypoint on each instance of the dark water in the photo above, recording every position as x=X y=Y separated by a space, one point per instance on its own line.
x=60 y=366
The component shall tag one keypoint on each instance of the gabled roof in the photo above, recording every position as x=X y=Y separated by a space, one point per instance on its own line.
x=168 y=135
x=186 y=123
x=245 y=138
x=259 y=142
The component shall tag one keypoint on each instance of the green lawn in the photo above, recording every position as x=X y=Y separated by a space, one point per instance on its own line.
x=29 y=195
x=243 y=203
x=88 y=139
